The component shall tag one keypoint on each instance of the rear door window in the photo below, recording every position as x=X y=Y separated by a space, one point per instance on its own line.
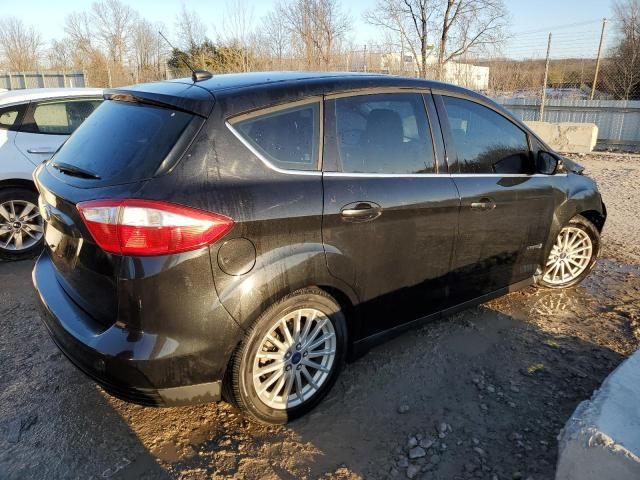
x=10 y=117
x=485 y=141
x=124 y=142
x=61 y=117
x=287 y=137
x=384 y=133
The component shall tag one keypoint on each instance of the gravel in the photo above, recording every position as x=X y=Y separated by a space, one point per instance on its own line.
x=482 y=394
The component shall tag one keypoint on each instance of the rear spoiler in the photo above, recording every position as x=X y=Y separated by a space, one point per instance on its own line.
x=186 y=97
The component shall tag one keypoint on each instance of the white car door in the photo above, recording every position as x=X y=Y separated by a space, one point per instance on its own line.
x=38 y=147
x=48 y=124
x=13 y=165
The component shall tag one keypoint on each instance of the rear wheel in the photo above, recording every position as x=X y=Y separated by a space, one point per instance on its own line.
x=573 y=254
x=21 y=228
x=290 y=358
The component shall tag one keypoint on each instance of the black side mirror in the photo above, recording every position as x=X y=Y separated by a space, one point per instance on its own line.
x=547 y=163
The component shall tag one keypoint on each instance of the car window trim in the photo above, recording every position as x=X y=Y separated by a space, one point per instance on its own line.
x=28 y=119
x=331 y=109
x=437 y=139
x=232 y=121
x=446 y=131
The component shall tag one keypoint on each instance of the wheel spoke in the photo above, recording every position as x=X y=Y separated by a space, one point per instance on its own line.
x=287 y=334
x=317 y=366
x=320 y=353
x=270 y=355
x=320 y=341
x=276 y=390
x=17 y=240
x=34 y=227
x=296 y=326
x=299 y=386
x=307 y=327
x=270 y=381
x=25 y=211
x=269 y=368
x=4 y=213
x=288 y=385
x=578 y=265
x=309 y=378
x=9 y=239
x=314 y=333
x=31 y=217
x=277 y=343
x=12 y=209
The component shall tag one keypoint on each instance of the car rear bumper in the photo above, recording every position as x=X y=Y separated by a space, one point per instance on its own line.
x=140 y=367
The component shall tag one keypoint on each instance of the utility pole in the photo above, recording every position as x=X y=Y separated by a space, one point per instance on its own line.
x=544 y=83
x=365 y=57
x=595 y=75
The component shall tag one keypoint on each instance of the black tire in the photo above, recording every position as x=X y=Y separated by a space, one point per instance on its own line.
x=590 y=229
x=22 y=194
x=238 y=387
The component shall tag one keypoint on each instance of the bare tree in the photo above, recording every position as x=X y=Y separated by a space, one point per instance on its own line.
x=623 y=70
x=190 y=29
x=60 y=55
x=113 y=23
x=77 y=26
x=467 y=25
x=458 y=27
x=273 y=38
x=317 y=26
x=20 y=45
x=146 y=50
x=410 y=21
x=237 y=30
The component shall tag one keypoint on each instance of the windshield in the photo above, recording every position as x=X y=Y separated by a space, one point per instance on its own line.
x=122 y=142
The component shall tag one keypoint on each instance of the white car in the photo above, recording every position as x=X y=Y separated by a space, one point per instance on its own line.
x=34 y=123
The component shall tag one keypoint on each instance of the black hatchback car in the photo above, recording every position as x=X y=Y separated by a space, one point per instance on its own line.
x=239 y=237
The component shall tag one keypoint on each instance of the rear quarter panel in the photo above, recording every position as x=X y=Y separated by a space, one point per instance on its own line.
x=275 y=246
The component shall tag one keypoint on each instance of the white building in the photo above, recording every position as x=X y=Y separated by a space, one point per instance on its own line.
x=463 y=74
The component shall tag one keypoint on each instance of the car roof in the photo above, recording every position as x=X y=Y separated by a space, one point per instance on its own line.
x=236 y=81
x=247 y=91
x=27 y=94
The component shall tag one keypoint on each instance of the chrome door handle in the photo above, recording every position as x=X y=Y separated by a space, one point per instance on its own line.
x=41 y=150
x=360 y=212
x=484 y=204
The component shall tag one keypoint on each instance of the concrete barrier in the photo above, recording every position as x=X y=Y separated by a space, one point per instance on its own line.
x=601 y=440
x=567 y=137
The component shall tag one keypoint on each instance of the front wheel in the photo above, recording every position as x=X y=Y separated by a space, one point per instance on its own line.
x=573 y=254
x=289 y=359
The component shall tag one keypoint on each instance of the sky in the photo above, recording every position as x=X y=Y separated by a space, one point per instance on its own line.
x=530 y=19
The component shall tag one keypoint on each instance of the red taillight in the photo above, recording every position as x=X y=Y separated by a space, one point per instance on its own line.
x=148 y=227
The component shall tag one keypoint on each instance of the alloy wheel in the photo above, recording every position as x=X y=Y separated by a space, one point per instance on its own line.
x=294 y=358
x=570 y=256
x=20 y=225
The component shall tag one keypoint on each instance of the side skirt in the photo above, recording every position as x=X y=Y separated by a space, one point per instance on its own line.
x=361 y=346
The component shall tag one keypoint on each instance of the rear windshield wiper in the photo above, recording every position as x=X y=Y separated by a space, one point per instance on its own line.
x=75 y=171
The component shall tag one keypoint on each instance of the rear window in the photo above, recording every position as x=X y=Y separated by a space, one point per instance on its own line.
x=287 y=137
x=123 y=141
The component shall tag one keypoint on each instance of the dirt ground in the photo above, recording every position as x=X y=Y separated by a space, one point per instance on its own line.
x=482 y=394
